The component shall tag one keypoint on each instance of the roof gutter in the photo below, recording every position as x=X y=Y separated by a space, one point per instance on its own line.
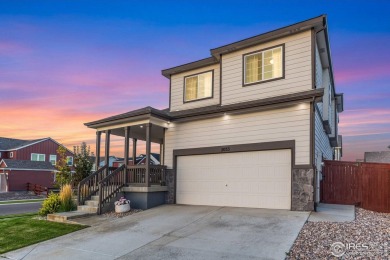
x=23 y=169
x=269 y=36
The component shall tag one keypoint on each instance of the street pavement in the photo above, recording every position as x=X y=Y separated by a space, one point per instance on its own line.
x=19 y=208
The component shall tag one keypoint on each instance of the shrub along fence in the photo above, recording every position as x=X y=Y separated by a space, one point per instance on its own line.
x=363 y=184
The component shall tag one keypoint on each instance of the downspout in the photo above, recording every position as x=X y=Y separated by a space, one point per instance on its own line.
x=312 y=138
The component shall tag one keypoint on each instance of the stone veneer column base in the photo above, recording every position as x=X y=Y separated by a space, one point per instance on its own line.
x=170 y=182
x=302 y=189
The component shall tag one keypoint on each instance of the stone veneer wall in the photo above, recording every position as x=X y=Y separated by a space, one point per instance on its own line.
x=302 y=190
x=170 y=182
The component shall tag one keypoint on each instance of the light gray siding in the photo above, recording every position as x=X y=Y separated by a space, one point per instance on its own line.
x=292 y=123
x=322 y=148
x=177 y=89
x=322 y=145
x=318 y=70
x=332 y=117
x=298 y=76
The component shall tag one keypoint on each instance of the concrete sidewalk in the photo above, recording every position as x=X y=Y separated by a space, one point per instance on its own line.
x=333 y=213
x=177 y=232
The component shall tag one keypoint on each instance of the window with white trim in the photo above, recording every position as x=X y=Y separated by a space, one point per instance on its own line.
x=53 y=159
x=198 y=86
x=37 y=157
x=69 y=160
x=263 y=65
x=11 y=155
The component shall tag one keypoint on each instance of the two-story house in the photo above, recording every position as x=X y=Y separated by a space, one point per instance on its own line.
x=248 y=126
x=33 y=161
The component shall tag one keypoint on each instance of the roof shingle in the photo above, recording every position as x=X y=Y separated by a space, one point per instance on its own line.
x=11 y=143
x=25 y=164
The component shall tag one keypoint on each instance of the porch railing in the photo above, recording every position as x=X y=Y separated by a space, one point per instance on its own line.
x=157 y=174
x=136 y=175
x=107 y=181
x=110 y=186
x=89 y=186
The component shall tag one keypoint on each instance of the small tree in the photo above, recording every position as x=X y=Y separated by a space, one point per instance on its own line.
x=64 y=171
x=82 y=163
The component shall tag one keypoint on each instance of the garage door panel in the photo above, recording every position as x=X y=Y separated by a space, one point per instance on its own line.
x=260 y=179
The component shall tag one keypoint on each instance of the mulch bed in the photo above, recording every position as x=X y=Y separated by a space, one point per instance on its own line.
x=19 y=195
x=367 y=237
x=112 y=214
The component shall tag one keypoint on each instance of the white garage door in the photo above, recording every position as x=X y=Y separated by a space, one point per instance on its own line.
x=260 y=179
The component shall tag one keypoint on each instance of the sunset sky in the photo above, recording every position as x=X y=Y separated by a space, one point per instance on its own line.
x=64 y=63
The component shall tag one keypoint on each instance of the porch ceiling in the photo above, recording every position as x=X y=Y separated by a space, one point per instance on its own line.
x=139 y=132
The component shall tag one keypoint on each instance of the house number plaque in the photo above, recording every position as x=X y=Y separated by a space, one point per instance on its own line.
x=225 y=149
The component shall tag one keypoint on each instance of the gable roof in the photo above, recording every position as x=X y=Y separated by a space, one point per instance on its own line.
x=13 y=144
x=27 y=165
x=315 y=22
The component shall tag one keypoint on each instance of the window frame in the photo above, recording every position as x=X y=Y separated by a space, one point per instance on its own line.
x=259 y=51
x=44 y=157
x=196 y=74
x=55 y=161
x=11 y=154
x=67 y=160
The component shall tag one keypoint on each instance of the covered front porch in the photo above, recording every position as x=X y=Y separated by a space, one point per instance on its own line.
x=134 y=179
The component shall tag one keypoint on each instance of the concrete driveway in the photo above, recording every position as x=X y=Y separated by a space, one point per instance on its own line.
x=178 y=232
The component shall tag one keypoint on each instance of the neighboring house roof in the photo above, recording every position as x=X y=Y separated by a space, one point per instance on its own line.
x=111 y=159
x=318 y=23
x=154 y=157
x=378 y=157
x=11 y=144
x=14 y=144
x=26 y=165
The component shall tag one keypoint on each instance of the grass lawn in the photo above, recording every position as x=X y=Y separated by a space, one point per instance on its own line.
x=18 y=231
x=20 y=201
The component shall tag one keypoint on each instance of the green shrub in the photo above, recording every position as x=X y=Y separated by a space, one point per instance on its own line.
x=67 y=204
x=50 y=205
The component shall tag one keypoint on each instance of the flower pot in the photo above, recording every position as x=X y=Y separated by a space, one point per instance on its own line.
x=122 y=208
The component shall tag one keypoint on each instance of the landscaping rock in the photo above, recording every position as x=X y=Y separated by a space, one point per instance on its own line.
x=113 y=214
x=367 y=237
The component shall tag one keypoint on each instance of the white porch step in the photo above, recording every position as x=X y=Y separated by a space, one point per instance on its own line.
x=87 y=208
x=92 y=203
x=95 y=198
x=65 y=217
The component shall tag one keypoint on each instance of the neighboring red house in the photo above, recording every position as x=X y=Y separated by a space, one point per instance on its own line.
x=23 y=161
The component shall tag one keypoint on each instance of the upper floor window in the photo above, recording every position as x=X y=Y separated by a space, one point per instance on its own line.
x=37 y=157
x=263 y=65
x=53 y=159
x=69 y=160
x=198 y=86
x=11 y=155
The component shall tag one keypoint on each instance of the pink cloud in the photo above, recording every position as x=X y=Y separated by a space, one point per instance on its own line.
x=358 y=74
x=12 y=48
